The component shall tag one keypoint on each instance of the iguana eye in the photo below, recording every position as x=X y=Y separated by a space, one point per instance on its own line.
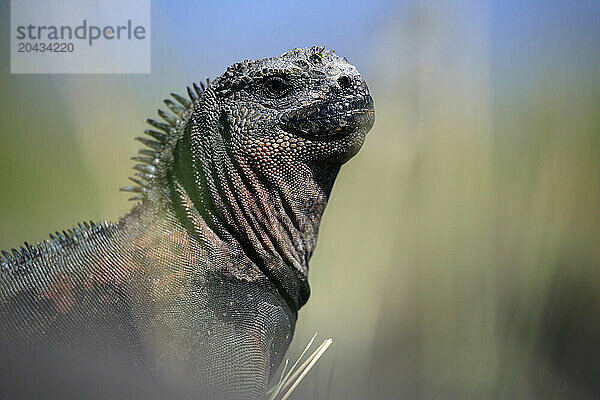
x=277 y=87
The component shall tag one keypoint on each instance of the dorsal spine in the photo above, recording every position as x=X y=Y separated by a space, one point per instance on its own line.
x=149 y=157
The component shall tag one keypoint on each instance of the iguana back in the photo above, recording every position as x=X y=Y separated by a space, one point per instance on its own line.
x=201 y=282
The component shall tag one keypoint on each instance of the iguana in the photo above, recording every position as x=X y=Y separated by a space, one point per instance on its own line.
x=202 y=280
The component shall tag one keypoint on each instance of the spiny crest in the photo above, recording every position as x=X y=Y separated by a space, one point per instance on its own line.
x=163 y=132
x=317 y=55
x=57 y=242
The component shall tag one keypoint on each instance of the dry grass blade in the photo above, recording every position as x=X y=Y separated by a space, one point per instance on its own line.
x=295 y=375
x=277 y=389
x=274 y=391
x=312 y=360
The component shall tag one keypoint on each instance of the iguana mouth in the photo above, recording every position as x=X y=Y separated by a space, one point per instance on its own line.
x=330 y=121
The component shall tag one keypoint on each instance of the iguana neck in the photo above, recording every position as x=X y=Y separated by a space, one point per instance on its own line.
x=272 y=221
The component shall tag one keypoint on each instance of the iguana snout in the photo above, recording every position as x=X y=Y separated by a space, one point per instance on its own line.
x=340 y=110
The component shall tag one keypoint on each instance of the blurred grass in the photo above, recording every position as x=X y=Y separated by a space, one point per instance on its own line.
x=459 y=256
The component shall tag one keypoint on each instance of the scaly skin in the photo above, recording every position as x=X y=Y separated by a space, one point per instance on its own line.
x=202 y=281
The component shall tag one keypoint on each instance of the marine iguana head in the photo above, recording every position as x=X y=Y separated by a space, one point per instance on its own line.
x=253 y=157
x=307 y=105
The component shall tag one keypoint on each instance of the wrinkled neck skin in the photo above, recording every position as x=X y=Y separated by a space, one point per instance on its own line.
x=270 y=221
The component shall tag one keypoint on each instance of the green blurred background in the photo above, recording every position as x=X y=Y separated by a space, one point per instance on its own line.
x=458 y=258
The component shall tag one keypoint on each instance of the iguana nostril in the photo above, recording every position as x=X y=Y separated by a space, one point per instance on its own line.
x=344 y=82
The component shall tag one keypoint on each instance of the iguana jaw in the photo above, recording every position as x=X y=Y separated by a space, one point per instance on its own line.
x=331 y=120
